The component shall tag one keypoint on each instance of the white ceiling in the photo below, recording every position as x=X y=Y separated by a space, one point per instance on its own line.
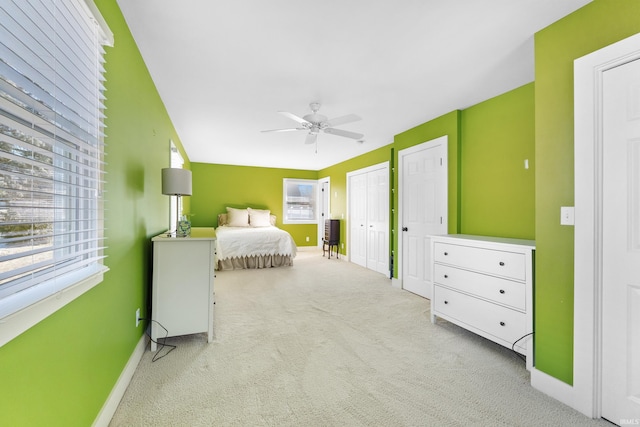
x=225 y=68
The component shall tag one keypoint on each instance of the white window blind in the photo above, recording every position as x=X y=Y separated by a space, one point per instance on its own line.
x=51 y=148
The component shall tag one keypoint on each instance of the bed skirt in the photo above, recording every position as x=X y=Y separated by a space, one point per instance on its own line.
x=264 y=261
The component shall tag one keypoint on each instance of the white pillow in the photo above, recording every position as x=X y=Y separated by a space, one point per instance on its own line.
x=259 y=217
x=237 y=217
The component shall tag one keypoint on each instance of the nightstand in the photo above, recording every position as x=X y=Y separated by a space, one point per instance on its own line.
x=182 y=299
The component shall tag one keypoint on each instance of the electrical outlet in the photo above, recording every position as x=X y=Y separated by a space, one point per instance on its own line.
x=137 y=317
x=307 y=238
x=567 y=215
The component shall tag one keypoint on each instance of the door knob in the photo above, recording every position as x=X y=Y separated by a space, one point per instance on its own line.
x=405 y=229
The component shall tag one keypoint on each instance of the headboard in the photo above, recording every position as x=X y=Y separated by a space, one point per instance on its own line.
x=222 y=219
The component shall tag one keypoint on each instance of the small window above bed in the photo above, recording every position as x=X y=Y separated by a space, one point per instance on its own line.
x=300 y=201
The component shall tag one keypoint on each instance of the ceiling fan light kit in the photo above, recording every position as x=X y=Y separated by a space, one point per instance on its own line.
x=314 y=123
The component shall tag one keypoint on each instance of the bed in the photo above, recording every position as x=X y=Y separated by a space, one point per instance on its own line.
x=248 y=238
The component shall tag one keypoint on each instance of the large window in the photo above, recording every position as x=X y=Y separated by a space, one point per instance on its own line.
x=51 y=152
x=300 y=201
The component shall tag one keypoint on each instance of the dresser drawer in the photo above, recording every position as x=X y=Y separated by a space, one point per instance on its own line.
x=498 y=322
x=501 y=263
x=502 y=291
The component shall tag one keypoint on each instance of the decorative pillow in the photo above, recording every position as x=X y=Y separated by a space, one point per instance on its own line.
x=237 y=217
x=222 y=220
x=259 y=217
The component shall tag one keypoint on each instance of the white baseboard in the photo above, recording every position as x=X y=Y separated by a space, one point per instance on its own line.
x=111 y=404
x=396 y=283
x=553 y=387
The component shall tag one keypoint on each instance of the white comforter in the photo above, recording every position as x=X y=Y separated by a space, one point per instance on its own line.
x=235 y=242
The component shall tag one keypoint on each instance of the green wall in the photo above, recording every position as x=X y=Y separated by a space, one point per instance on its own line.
x=592 y=27
x=489 y=194
x=61 y=371
x=497 y=192
x=338 y=182
x=217 y=186
x=448 y=124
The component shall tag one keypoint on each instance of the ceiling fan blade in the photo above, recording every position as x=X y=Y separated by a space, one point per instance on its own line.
x=349 y=118
x=311 y=138
x=344 y=133
x=294 y=117
x=283 y=130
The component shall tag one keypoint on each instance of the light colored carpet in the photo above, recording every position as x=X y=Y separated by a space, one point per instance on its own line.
x=329 y=343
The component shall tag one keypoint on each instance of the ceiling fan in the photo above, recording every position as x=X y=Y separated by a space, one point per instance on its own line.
x=316 y=123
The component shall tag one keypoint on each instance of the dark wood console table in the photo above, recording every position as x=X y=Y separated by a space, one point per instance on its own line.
x=331 y=236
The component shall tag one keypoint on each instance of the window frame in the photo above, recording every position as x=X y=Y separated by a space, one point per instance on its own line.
x=175 y=161
x=285 y=204
x=21 y=310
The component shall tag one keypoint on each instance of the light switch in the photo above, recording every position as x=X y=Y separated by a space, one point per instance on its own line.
x=567 y=215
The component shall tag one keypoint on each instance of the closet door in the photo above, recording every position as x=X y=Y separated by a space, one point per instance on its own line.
x=378 y=220
x=368 y=220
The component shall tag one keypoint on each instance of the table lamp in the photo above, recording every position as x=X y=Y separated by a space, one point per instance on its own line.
x=176 y=182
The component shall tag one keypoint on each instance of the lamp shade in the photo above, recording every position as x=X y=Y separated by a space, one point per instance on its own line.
x=176 y=182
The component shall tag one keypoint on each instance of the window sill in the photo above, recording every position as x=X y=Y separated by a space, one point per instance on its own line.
x=19 y=321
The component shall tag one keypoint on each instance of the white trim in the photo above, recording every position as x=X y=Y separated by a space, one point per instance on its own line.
x=383 y=165
x=285 y=219
x=585 y=396
x=552 y=387
x=397 y=261
x=106 y=33
x=19 y=321
x=321 y=181
x=117 y=393
x=175 y=202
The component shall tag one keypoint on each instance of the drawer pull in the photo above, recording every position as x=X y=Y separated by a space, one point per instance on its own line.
x=501 y=323
x=446 y=302
x=502 y=291
x=446 y=276
x=446 y=253
x=501 y=264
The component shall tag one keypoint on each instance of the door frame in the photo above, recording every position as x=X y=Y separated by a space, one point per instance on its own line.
x=401 y=154
x=586 y=393
x=383 y=165
x=322 y=198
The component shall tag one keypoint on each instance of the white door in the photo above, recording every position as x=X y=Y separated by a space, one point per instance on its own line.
x=423 y=204
x=377 y=220
x=358 y=219
x=621 y=245
x=368 y=217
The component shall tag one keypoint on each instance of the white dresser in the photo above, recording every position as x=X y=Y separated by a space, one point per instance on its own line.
x=485 y=285
x=182 y=299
